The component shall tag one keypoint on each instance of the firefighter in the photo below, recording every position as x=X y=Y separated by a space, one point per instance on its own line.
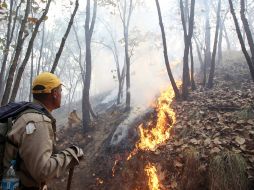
x=33 y=138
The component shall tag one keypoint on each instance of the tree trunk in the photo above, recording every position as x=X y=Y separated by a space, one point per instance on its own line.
x=247 y=30
x=31 y=75
x=219 y=58
x=212 y=69
x=193 y=85
x=13 y=67
x=199 y=57
x=187 y=43
x=58 y=54
x=41 y=48
x=28 y=53
x=126 y=23
x=240 y=37
x=207 y=41
x=6 y=48
x=187 y=20
x=172 y=80
x=128 y=93
x=121 y=84
x=80 y=56
x=88 y=65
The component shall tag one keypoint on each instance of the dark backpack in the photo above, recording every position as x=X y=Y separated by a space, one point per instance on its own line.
x=10 y=113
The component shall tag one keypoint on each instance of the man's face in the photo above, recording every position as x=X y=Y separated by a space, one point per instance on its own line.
x=57 y=96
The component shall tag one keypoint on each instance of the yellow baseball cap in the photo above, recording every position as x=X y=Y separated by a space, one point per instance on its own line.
x=45 y=82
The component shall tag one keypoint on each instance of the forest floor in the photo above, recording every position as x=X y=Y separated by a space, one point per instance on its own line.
x=211 y=143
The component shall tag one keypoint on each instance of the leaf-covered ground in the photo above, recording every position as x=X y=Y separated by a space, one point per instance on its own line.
x=211 y=122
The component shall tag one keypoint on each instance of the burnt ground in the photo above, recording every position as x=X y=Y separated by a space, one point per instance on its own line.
x=210 y=123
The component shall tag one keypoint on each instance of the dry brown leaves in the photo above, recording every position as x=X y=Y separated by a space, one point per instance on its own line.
x=213 y=121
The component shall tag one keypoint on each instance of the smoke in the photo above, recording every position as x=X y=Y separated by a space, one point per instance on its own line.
x=148 y=79
x=121 y=131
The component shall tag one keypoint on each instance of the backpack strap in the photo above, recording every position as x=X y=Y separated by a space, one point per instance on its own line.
x=9 y=127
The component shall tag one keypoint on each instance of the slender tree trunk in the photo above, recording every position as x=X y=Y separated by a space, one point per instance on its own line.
x=199 y=57
x=240 y=37
x=247 y=30
x=187 y=43
x=31 y=76
x=207 y=41
x=13 y=67
x=126 y=23
x=80 y=55
x=74 y=89
x=121 y=84
x=28 y=53
x=212 y=69
x=172 y=80
x=6 y=48
x=86 y=107
x=4 y=75
x=219 y=58
x=187 y=20
x=41 y=49
x=222 y=23
x=115 y=53
x=193 y=85
x=58 y=54
x=244 y=34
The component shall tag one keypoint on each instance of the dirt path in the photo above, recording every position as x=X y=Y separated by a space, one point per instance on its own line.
x=93 y=144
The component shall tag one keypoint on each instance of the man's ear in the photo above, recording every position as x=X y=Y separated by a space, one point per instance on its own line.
x=54 y=93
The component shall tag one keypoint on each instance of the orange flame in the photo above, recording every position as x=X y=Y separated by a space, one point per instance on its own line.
x=151 y=138
x=114 y=168
x=99 y=181
x=135 y=151
x=151 y=172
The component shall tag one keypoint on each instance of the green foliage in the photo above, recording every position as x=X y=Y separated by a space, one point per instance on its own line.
x=4 y=5
x=3 y=11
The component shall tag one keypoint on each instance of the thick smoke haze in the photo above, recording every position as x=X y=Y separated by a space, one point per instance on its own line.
x=148 y=73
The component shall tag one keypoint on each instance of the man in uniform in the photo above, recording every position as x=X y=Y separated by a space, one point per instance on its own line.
x=33 y=137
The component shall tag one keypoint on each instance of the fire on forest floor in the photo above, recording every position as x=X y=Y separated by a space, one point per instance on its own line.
x=209 y=124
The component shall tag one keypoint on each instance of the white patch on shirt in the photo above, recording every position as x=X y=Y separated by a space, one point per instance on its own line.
x=30 y=128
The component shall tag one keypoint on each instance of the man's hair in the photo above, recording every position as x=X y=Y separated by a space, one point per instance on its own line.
x=41 y=96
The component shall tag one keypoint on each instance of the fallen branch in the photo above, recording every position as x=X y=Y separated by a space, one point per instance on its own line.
x=224 y=108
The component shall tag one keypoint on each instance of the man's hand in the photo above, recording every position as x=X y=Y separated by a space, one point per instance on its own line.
x=78 y=156
x=78 y=151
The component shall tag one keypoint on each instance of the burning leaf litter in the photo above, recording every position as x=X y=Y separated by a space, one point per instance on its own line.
x=151 y=137
x=151 y=172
